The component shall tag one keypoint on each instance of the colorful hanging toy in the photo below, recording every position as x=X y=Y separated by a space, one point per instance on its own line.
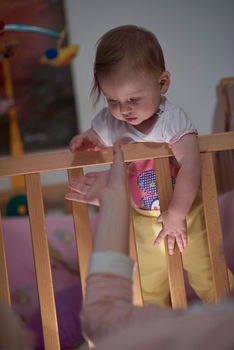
x=59 y=56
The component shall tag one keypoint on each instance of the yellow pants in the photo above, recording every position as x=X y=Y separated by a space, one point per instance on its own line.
x=152 y=261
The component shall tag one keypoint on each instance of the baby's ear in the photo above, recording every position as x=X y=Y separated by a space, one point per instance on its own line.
x=164 y=82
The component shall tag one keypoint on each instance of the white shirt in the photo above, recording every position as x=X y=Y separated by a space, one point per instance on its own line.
x=172 y=123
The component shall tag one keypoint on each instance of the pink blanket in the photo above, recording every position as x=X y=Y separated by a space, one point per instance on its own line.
x=64 y=266
x=66 y=280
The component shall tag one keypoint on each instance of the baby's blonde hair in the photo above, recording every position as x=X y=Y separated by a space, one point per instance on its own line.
x=131 y=46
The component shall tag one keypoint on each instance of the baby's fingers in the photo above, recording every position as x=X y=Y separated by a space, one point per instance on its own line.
x=171 y=244
x=180 y=243
x=184 y=238
x=162 y=234
x=98 y=146
x=181 y=240
x=75 y=143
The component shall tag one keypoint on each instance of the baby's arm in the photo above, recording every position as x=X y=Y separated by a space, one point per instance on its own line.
x=87 y=188
x=86 y=141
x=186 y=152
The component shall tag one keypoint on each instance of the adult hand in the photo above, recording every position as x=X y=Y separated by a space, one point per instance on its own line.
x=88 y=188
x=91 y=187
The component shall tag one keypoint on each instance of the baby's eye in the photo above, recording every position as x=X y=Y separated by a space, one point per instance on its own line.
x=112 y=102
x=135 y=100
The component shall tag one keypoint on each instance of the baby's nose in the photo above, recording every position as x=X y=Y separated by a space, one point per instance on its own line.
x=125 y=109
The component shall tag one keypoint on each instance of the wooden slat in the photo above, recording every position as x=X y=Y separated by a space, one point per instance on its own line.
x=224 y=169
x=174 y=262
x=82 y=232
x=16 y=144
x=222 y=141
x=4 y=283
x=213 y=226
x=137 y=290
x=224 y=84
x=42 y=262
x=132 y=152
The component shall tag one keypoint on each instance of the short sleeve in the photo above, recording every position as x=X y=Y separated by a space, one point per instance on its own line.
x=177 y=124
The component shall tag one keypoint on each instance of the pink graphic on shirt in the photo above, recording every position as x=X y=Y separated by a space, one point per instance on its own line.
x=143 y=184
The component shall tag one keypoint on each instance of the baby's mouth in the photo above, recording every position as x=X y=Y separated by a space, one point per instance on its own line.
x=131 y=119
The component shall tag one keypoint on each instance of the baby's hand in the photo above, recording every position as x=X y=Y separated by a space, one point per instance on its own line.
x=175 y=228
x=89 y=140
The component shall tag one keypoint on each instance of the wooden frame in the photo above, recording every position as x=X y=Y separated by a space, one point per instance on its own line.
x=33 y=166
x=225 y=99
x=224 y=161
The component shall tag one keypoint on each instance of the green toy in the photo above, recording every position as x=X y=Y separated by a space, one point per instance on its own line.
x=17 y=206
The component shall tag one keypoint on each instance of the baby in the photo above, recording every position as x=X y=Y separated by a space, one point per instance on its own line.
x=129 y=71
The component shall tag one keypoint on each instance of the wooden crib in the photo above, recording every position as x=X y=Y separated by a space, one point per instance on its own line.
x=32 y=166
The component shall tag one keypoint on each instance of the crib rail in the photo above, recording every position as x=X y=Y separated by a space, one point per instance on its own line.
x=29 y=164
x=32 y=166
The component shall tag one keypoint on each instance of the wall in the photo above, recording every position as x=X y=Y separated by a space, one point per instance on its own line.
x=196 y=36
x=197 y=39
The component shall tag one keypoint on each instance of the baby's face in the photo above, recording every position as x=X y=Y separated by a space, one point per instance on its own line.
x=131 y=98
